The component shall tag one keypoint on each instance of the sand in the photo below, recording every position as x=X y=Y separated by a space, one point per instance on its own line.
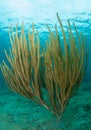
x=20 y=113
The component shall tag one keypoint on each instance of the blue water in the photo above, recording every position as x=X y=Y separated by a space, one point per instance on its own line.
x=40 y=13
x=44 y=12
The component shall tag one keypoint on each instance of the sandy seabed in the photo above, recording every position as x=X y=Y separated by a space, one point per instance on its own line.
x=20 y=113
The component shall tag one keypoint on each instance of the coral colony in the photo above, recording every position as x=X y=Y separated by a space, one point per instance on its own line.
x=49 y=77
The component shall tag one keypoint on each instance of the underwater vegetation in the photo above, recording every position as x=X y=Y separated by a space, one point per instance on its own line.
x=49 y=77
